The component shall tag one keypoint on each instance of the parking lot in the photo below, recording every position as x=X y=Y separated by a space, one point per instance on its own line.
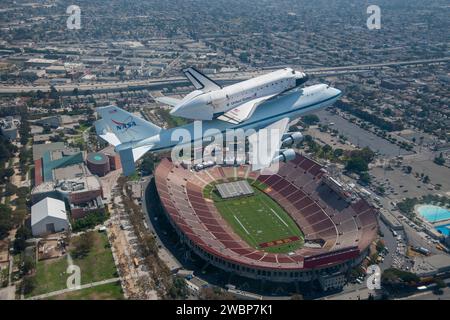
x=360 y=137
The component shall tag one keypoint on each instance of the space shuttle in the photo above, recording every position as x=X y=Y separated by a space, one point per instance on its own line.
x=235 y=103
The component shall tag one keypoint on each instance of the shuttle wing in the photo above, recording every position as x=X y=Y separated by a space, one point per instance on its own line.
x=243 y=111
x=266 y=143
x=200 y=81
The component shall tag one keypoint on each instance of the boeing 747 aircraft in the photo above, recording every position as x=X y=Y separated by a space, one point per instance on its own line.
x=235 y=103
x=133 y=136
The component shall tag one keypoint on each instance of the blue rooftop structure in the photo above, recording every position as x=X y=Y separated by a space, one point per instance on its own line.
x=64 y=160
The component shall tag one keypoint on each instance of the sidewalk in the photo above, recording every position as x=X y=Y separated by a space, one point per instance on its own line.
x=84 y=286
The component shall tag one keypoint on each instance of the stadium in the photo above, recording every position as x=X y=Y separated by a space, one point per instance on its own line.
x=296 y=225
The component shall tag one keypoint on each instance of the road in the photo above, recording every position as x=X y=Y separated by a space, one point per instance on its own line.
x=429 y=295
x=223 y=77
x=390 y=243
x=358 y=294
x=84 y=286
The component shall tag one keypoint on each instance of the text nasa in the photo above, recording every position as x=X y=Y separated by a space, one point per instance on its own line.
x=124 y=126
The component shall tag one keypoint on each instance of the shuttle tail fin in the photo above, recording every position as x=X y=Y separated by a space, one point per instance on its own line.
x=200 y=81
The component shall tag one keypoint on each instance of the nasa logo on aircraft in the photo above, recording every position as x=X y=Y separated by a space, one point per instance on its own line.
x=124 y=125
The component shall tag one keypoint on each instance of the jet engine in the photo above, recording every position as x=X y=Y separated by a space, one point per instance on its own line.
x=291 y=138
x=284 y=156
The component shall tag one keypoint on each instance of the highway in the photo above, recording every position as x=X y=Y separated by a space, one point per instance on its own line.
x=155 y=84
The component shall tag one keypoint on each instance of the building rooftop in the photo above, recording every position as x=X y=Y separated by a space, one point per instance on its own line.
x=40 y=149
x=48 y=207
x=81 y=184
x=70 y=172
x=59 y=159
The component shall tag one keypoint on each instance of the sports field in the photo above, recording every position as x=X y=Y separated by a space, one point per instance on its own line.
x=259 y=220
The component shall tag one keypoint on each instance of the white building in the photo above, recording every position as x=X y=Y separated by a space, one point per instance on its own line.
x=48 y=216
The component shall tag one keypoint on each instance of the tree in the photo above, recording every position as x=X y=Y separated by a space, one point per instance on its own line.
x=310 y=119
x=408 y=169
x=53 y=93
x=7 y=173
x=381 y=190
x=440 y=283
x=327 y=149
x=440 y=160
x=178 y=288
x=148 y=164
x=28 y=284
x=366 y=154
x=244 y=57
x=380 y=246
x=22 y=234
x=338 y=153
x=364 y=178
x=83 y=245
x=395 y=280
x=356 y=165
x=89 y=221
x=6 y=223
x=27 y=265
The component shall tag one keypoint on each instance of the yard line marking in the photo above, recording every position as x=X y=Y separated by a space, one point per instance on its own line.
x=279 y=218
x=241 y=224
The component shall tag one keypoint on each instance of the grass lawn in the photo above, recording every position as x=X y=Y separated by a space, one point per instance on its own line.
x=96 y=266
x=110 y=291
x=258 y=219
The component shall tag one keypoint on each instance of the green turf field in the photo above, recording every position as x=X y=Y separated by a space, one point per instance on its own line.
x=258 y=219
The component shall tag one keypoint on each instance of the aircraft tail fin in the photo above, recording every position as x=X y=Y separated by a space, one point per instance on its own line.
x=118 y=126
x=200 y=81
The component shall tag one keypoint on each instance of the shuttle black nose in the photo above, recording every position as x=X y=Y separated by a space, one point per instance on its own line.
x=300 y=81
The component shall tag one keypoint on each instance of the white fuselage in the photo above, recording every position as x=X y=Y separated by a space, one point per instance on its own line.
x=292 y=105
x=206 y=106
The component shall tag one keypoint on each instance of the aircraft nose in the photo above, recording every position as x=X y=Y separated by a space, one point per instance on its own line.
x=337 y=92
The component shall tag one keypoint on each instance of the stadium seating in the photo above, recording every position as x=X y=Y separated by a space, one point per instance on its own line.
x=344 y=230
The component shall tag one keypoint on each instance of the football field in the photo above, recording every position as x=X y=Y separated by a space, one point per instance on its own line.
x=261 y=222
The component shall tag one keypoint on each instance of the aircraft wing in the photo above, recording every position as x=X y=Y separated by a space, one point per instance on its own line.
x=243 y=111
x=169 y=101
x=200 y=81
x=266 y=143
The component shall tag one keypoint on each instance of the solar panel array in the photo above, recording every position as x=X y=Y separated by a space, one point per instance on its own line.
x=234 y=189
